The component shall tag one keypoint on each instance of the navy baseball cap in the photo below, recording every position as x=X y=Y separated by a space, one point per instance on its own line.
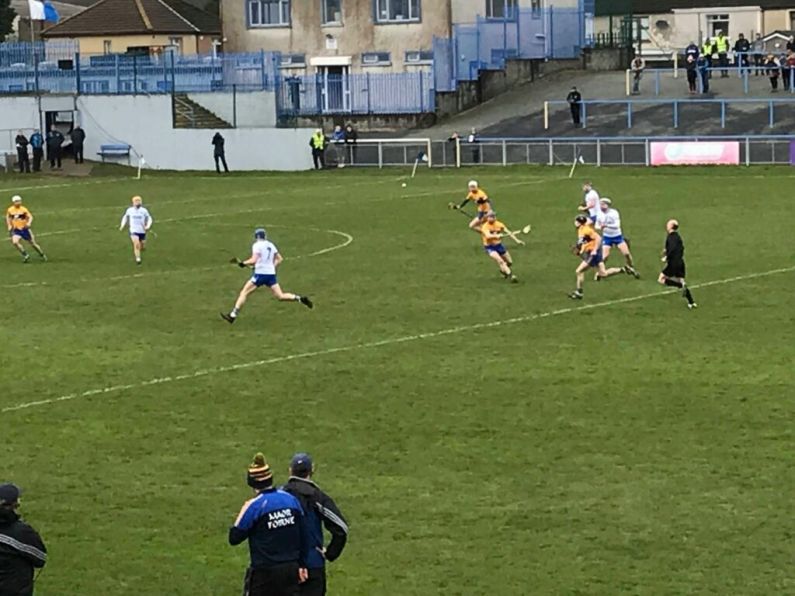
x=301 y=463
x=9 y=493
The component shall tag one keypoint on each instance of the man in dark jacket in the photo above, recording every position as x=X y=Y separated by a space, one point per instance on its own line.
x=320 y=510
x=673 y=274
x=54 y=142
x=37 y=143
x=741 y=49
x=21 y=547
x=273 y=523
x=219 y=153
x=22 y=153
x=575 y=104
x=78 y=136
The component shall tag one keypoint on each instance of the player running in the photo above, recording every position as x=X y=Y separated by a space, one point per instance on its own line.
x=19 y=221
x=265 y=258
x=609 y=223
x=478 y=196
x=140 y=222
x=589 y=248
x=492 y=231
x=673 y=274
x=590 y=202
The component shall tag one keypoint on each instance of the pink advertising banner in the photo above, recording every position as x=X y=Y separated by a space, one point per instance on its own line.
x=695 y=153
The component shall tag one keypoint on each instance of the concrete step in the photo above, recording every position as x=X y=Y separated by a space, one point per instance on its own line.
x=189 y=114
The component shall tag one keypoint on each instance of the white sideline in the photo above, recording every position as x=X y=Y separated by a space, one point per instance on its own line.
x=380 y=343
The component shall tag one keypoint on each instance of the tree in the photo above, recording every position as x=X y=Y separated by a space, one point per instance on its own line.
x=7 y=16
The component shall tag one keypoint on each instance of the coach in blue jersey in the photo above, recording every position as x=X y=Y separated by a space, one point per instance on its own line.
x=273 y=523
x=320 y=511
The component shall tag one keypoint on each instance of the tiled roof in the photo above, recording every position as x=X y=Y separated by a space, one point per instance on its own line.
x=133 y=17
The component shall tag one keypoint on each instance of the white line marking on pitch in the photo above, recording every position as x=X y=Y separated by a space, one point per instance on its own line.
x=65 y=184
x=377 y=344
x=347 y=240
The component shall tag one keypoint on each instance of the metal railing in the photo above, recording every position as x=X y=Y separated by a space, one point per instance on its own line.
x=599 y=151
x=749 y=79
x=675 y=104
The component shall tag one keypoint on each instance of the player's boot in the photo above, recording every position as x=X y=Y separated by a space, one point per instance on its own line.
x=629 y=270
x=514 y=279
x=306 y=302
x=43 y=257
x=576 y=295
x=228 y=318
x=692 y=305
x=26 y=258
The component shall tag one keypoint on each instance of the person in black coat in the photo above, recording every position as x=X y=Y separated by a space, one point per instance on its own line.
x=54 y=147
x=575 y=104
x=21 y=548
x=219 y=153
x=78 y=136
x=320 y=511
x=674 y=272
x=22 y=153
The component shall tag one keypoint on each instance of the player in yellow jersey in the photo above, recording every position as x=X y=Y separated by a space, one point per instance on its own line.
x=18 y=221
x=589 y=248
x=492 y=231
x=478 y=196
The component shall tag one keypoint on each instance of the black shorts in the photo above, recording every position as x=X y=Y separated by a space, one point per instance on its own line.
x=674 y=269
x=281 y=580
x=315 y=585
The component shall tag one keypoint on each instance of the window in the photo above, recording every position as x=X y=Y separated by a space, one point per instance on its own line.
x=419 y=57
x=107 y=46
x=792 y=20
x=292 y=61
x=332 y=12
x=718 y=22
x=397 y=11
x=268 y=13
x=500 y=9
x=376 y=59
x=176 y=43
x=535 y=7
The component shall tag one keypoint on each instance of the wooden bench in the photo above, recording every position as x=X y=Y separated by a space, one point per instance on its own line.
x=114 y=150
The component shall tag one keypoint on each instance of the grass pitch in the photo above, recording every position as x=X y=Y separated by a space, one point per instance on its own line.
x=481 y=437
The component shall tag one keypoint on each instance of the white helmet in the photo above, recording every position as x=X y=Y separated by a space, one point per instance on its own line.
x=16 y=199
x=473 y=184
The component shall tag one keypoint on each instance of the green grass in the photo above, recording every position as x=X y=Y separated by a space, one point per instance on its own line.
x=635 y=447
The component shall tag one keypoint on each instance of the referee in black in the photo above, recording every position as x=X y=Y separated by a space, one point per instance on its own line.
x=673 y=274
x=320 y=511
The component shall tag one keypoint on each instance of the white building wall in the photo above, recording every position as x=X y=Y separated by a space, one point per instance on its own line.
x=249 y=109
x=466 y=11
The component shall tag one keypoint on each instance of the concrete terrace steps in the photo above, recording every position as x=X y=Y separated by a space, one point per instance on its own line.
x=189 y=114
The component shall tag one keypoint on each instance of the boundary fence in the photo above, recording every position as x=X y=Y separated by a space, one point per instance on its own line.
x=598 y=151
x=660 y=77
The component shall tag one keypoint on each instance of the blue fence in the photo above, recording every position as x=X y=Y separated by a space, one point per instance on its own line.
x=60 y=68
x=487 y=43
x=388 y=93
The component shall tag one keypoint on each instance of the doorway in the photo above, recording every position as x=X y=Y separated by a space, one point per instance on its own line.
x=334 y=86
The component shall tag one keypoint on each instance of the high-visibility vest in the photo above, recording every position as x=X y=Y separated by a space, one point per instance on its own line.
x=707 y=49
x=318 y=141
x=723 y=44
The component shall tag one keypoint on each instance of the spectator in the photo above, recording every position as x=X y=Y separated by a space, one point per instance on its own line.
x=472 y=139
x=638 y=66
x=708 y=50
x=338 y=138
x=21 y=547
x=788 y=70
x=722 y=46
x=759 y=55
x=219 y=152
x=692 y=73
x=702 y=64
x=351 y=137
x=575 y=104
x=274 y=525
x=691 y=50
x=320 y=511
x=773 y=70
x=78 y=136
x=37 y=143
x=318 y=143
x=22 y=153
x=741 y=48
x=54 y=142
x=791 y=43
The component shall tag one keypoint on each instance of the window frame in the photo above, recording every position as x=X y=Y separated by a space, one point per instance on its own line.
x=510 y=10
x=383 y=59
x=379 y=20
x=284 y=6
x=291 y=62
x=427 y=60
x=325 y=21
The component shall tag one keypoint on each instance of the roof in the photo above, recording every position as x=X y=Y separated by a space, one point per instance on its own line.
x=646 y=7
x=135 y=17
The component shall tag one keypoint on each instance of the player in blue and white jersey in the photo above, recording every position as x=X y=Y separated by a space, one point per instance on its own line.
x=608 y=221
x=265 y=258
x=590 y=201
x=140 y=222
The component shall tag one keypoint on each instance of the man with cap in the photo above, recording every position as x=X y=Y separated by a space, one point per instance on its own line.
x=21 y=547
x=320 y=511
x=274 y=525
